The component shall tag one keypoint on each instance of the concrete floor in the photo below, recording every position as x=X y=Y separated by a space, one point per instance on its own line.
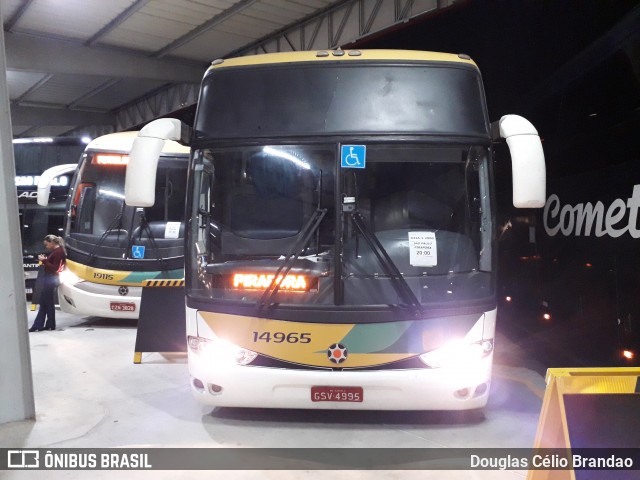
x=90 y=394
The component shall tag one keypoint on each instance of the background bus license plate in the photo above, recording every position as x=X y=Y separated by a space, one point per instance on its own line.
x=123 y=307
x=336 y=394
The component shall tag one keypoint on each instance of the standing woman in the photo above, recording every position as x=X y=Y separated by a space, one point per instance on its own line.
x=53 y=264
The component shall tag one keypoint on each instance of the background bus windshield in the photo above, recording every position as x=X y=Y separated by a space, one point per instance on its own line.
x=32 y=157
x=102 y=226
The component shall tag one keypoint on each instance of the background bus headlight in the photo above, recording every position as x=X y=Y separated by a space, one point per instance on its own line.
x=220 y=351
x=68 y=277
x=457 y=354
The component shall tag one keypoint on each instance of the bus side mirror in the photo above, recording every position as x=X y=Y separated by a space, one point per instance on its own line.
x=527 y=160
x=140 y=179
x=46 y=177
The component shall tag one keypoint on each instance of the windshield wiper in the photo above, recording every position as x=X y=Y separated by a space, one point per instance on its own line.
x=397 y=280
x=116 y=224
x=145 y=228
x=296 y=250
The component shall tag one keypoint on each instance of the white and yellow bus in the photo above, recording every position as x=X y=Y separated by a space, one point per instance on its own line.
x=340 y=247
x=113 y=249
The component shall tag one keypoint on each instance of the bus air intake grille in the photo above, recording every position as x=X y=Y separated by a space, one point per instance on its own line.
x=269 y=362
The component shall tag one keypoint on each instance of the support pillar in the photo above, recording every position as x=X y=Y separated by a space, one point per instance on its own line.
x=16 y=383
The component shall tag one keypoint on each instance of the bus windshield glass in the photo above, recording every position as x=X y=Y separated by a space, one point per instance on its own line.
x=32 y=157
x=412 y=227
x=37 y=222
x=102 y=226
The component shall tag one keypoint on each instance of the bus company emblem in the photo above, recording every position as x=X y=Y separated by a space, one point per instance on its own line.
x=337 y=353
x=123 y=290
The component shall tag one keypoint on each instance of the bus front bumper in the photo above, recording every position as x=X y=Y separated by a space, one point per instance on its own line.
x=104 y=301
x=412 y=389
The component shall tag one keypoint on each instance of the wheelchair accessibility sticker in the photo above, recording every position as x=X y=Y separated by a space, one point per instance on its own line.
x=137 y=251
x=353 y=156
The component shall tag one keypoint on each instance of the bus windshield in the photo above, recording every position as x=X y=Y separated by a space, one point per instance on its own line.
x=37 y=222
x=32 y=157
x=103 y=228
x=413 y=227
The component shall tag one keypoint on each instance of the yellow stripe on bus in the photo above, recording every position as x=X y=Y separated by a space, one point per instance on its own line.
x=97 y=275
x=296 y=342
x=346 y=56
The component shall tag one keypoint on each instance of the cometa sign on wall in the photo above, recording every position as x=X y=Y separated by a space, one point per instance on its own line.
x=586 y=219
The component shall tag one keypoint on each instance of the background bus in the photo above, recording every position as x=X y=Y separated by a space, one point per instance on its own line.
x=32 y=157
x=340 y=243
x=572 y=270
x=569 y=274
x=112 y=249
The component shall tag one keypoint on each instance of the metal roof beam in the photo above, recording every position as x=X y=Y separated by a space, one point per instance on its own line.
x=218 y=19
x=34 y=54
x=365 y=26
x=16 y=16
x=33 y=88
x=43 y=116
x=108 y=84
x=133 y=8
x=156 y=105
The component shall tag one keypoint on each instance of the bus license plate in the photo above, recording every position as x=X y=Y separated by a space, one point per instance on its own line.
x=123 y=307
x=336 y=394
x=28 y=290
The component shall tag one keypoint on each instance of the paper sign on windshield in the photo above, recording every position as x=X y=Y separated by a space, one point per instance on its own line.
x=422 y=249
x=172 y=230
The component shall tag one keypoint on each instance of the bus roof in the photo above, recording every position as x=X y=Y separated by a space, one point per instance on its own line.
x=343 y=55
x=389 y=92
x=123 y=141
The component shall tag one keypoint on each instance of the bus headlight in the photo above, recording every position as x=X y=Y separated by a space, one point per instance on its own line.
x=68 y=277
x=457 y=354
x=220 y=351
